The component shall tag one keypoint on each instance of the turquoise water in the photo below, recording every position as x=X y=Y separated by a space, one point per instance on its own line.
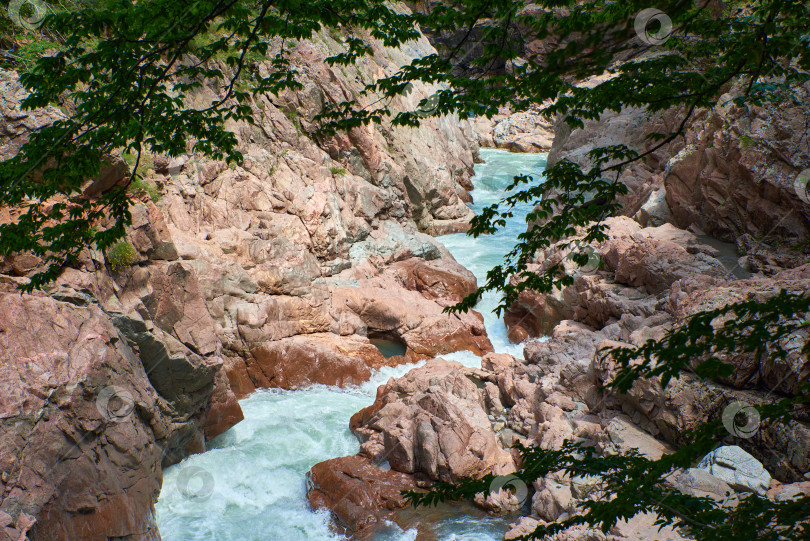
x=250 y=485
x=480 y=255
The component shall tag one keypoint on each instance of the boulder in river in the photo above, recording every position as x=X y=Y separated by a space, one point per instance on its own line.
x=357 y=492
x=433 y=421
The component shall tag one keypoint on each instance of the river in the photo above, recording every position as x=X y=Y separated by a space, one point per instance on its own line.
x=250 y=484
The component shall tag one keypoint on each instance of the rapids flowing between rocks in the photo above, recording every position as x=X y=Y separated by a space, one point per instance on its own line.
x=274 y=363
x=250 y=484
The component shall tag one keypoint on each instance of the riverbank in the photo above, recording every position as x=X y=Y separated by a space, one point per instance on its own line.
x=285 y=433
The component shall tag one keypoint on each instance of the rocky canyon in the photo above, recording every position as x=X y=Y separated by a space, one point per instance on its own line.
x=322 y=263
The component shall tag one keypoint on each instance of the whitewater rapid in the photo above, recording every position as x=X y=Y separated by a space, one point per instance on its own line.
x=250 y=484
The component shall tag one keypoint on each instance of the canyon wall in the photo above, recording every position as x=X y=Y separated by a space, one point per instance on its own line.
x=280 y=271
x=711 y=218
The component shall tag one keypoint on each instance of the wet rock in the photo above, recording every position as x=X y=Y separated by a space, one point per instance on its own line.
x=223 y=410
x=357 y=492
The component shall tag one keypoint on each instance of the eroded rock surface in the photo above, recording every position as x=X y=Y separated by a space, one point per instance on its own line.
x=87 y=425
x=690 y=238
x=432 y=421
x=282 y=271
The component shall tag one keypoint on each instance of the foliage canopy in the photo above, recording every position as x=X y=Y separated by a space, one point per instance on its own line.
x=128 y=69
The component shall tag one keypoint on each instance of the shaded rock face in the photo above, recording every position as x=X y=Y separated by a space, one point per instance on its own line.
x=85 y=426
x=737 y=171
x=16 y=126
x=732 y=173
x=630 y=127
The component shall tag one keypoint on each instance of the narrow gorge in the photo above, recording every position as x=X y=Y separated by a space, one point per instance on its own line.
x=269 y=352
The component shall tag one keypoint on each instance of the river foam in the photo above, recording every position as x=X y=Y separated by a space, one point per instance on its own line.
x=250 y=484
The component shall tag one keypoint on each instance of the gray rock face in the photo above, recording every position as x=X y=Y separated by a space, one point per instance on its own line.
x=701 y=483
x=737 y=468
